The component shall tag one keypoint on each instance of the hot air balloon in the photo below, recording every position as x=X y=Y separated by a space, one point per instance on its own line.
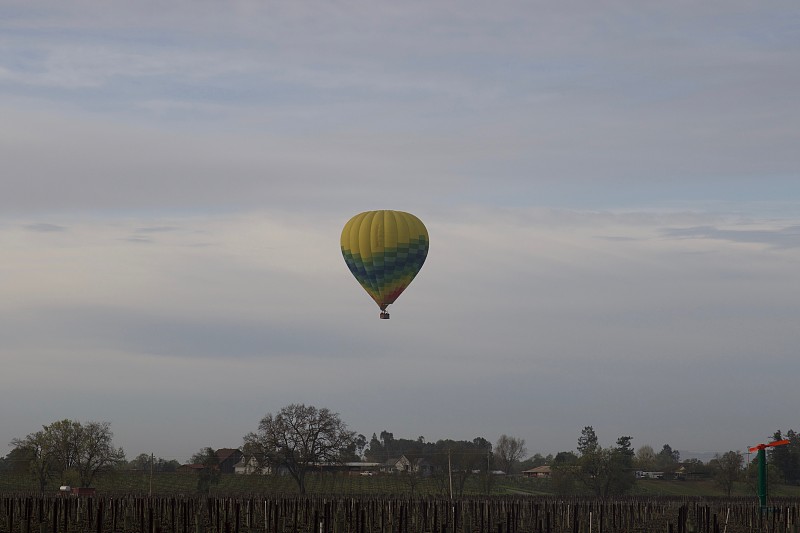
x=384 y=250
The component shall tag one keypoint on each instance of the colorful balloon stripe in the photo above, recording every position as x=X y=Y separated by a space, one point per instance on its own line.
x=384 y=250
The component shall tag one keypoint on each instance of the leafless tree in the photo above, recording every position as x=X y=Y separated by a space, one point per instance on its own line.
x=298 y=438
x=72 y=450
x=509 y=451
x=96 y=451
x=40 y=453
x=645 y=458
x=727 y=469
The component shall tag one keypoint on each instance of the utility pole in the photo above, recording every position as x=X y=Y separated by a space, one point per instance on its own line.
x=152 y=461
x=450 y=473
x=489 y=473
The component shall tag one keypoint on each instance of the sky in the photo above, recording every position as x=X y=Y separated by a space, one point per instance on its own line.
x=612 y=193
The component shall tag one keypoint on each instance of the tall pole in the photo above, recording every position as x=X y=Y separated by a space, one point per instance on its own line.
x=762 y=469
x=450 y=473
x=152 y=460
x=762 y=478
x=489 y=473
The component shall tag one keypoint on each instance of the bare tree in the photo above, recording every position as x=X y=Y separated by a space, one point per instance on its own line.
x=96 y=451
x=297 y=438
x=40 y=453
x=727 y=469
x=509 y=451
x=645 y=458
x=72 y=450
x=64 y=438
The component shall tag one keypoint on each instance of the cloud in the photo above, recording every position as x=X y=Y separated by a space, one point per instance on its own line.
x=132 y=331
x=156 y=229
x=43 y=227
x=788 y=237
x=555 y=106
x=267 y=314
x=139 y=238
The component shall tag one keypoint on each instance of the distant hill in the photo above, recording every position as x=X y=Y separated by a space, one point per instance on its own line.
x=703 y=456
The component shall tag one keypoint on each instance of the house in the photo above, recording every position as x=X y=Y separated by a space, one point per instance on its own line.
x=418 y=465
x=362 y=468
x=195 y=467
x=396 y=464
x=248 y=465
x=227 y=458
x=543 y=471
x=690 y=472
x=422 y=466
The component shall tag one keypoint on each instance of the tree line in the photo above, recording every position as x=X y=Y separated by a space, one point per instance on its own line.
x=298 y=438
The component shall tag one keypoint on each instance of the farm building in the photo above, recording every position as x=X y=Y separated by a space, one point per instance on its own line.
x=539 y=471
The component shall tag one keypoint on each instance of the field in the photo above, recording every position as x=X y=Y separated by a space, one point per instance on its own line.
x=375 y=514
x=385 y=504
x=171 y=483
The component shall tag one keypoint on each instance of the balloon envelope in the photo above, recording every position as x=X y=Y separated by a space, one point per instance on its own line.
x=384 y=250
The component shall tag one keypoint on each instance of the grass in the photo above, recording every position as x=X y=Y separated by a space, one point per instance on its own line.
x=341 y=484
x=706 y=488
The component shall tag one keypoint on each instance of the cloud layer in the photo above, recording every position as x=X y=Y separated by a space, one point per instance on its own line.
x=519 y=318
x=611 y=193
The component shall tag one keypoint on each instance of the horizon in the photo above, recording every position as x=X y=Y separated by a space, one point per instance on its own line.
x=685 y=455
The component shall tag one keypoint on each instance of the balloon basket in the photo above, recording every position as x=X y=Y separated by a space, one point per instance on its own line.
x=384 y=315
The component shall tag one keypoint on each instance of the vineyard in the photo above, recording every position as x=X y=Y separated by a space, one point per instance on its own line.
x=168 y=483
x=171 y=483
x=373 y=514
x=130 y=501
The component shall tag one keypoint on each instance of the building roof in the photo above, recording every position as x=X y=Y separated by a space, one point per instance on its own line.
x=544 y=469
x=194 y=466
x=224 y=453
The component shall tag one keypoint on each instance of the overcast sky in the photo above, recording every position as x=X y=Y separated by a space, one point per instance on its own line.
x=612 y=192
